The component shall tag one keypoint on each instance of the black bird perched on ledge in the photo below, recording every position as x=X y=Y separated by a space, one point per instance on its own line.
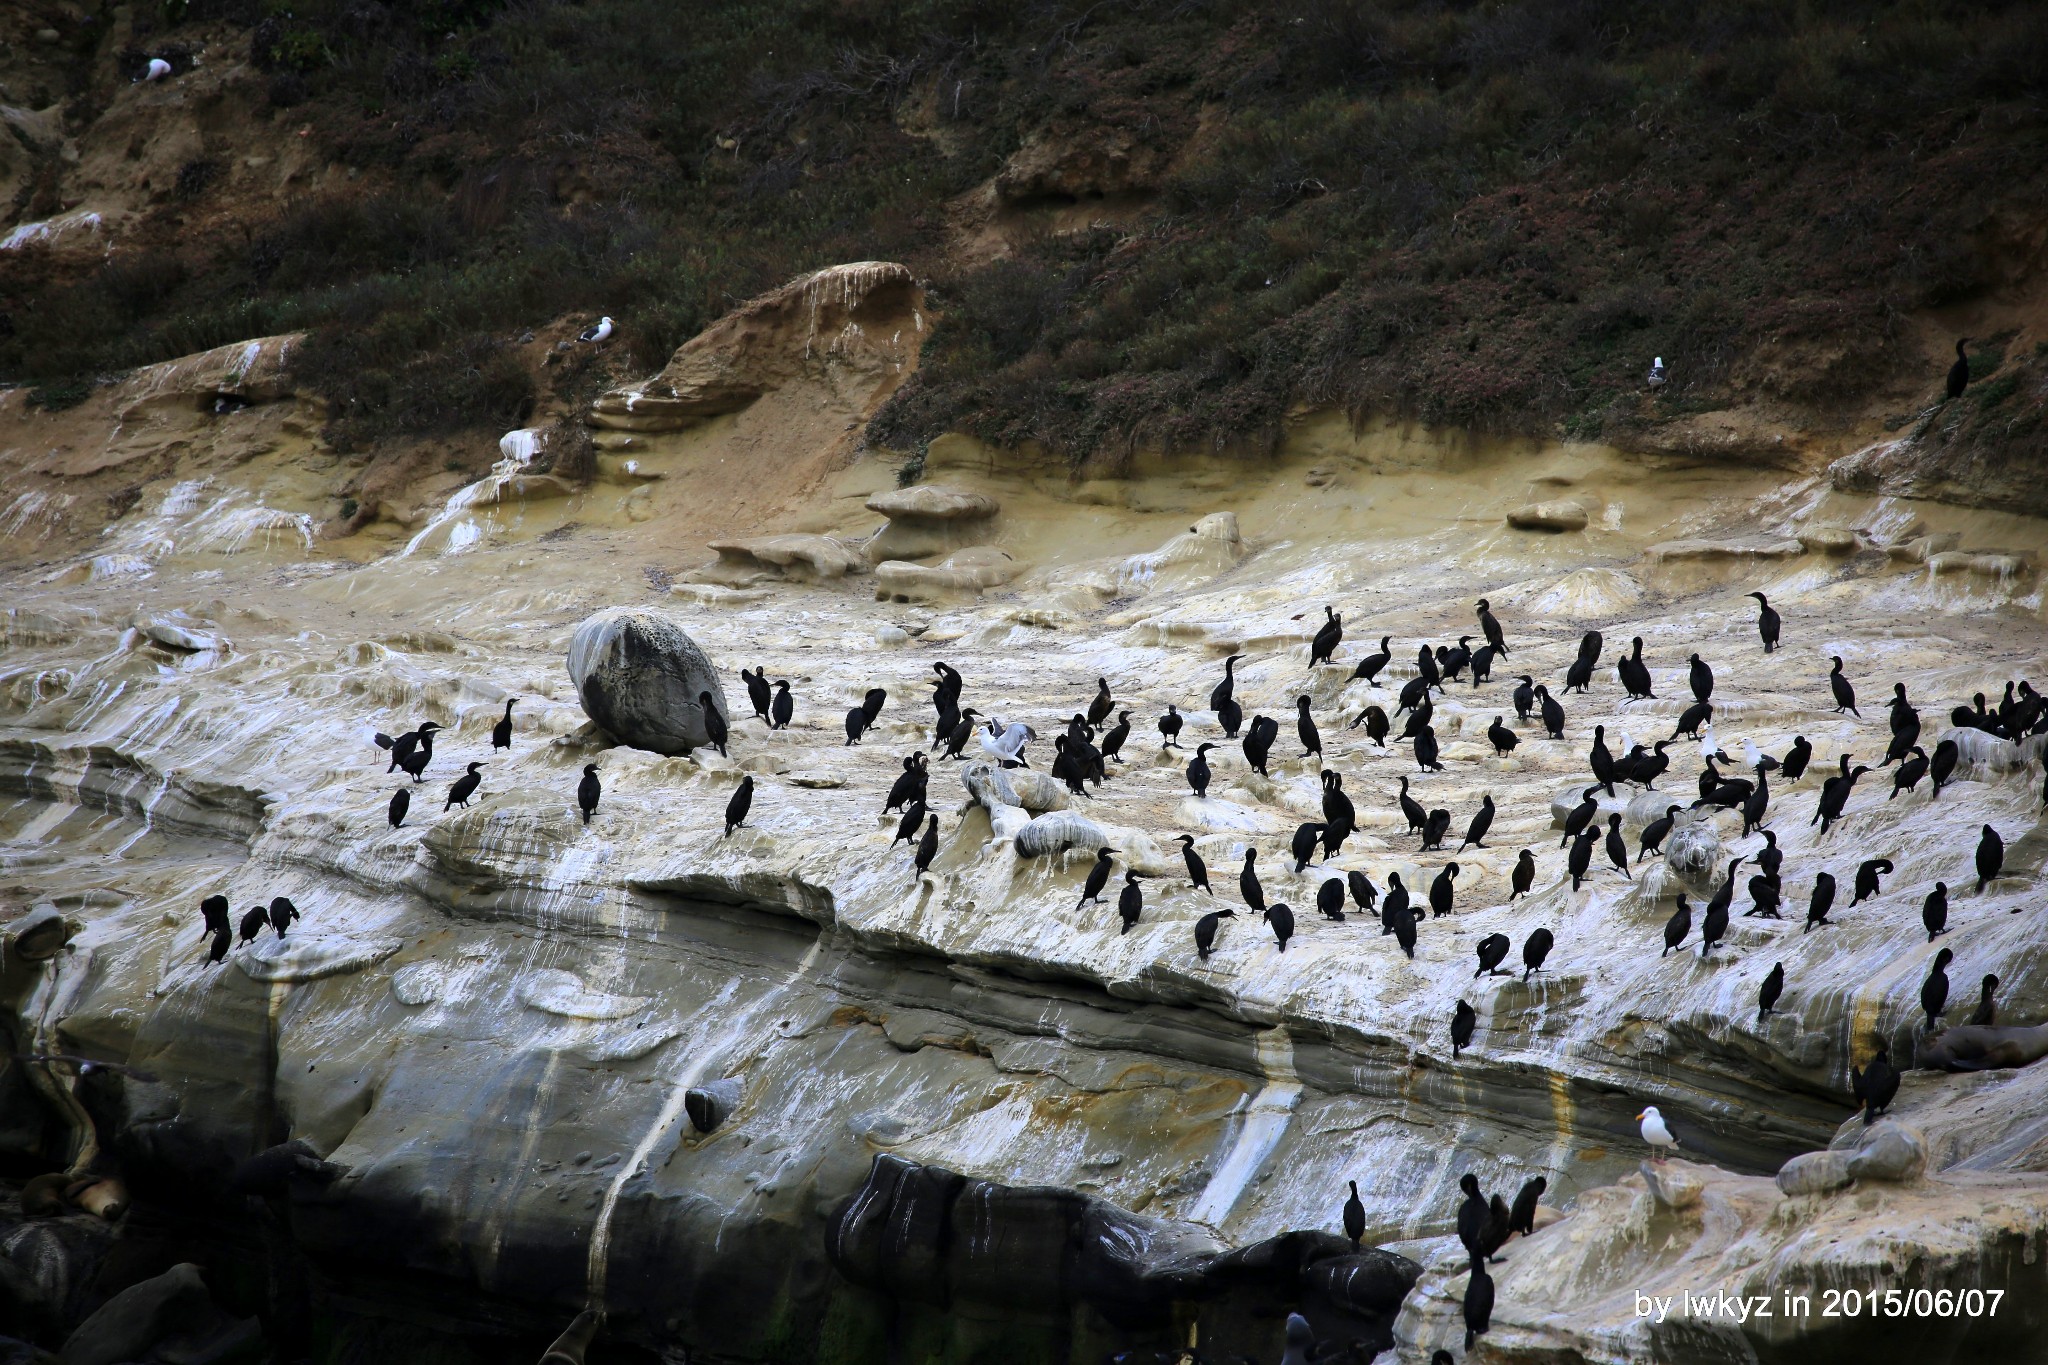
x=1875 y=1085
x=1767 y=995
x=742 y=800
x=1820 y=902
x=1248 y=882
x=411 y=751
x=1198 y=871
x=757 y=690
x=911 y=822
x=254 y=923
x=282 y=913
x=1866 y=880
x=1281 y=917
x=859 y=719
x=1767 y=622
x=501 y=733
x=1368 y=669
x=714 y=723
x=909 y=784
x=1845 y=695
x=1959 y=373
x=214 y=912
x=1327 y=639
x=1490 y=628
x=464 y=787
x=1130 y=902
x=1226 y=689
x=401 y=802
x=587 y=792
x=1098 y=877
x=1205 y=930
x=1934 y=990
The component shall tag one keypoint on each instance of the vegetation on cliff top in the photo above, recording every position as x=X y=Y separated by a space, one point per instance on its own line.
x=1483 y=214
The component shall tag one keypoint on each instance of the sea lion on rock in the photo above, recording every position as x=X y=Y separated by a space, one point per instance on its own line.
x=1982 y=1047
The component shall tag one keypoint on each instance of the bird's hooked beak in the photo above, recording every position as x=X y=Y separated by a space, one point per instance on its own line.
x=1640 y=1117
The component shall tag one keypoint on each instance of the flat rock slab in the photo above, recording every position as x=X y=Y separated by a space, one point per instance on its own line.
x=790 y=556
x=1548 y=516
x=1748 y=547
x=934 y=502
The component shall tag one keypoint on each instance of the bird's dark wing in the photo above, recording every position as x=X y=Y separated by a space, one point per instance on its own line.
x=384 y=741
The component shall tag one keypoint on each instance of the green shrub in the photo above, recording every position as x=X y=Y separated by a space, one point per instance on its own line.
x=59 y=397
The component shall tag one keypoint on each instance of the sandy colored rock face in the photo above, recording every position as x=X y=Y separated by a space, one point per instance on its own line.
x=849 y=325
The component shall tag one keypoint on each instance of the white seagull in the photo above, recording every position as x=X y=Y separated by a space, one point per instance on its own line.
x=1007 y=745
x=1655 y=378
x=597 y=333
x=1655 y=1133
x=157 y=69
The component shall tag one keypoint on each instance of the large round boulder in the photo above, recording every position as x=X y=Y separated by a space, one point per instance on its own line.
x=639 y=677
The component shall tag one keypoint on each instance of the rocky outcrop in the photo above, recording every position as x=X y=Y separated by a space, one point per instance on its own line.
x=803 y=558
x=962 y=573
x=1924 y=464
x=928 y=1235
x=639 y=677
x=928 y=519
x=847 y=325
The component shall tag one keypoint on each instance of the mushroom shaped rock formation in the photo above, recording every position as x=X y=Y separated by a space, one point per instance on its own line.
x=639 y=676
x=965 y=571
x=858 y=327
x=799 y=557
x=929 y=519
x=1209 y=547
x=1548 y=516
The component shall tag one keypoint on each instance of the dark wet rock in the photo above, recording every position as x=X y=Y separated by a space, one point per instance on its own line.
x=929 y=1235
x=274 y=1172
x=711 y=1105
x=126 y=1326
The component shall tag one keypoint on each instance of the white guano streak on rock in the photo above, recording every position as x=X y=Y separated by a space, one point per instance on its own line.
x=1265 y=1122
x=713 y=1049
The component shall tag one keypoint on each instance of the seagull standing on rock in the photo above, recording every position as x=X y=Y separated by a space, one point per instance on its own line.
x=1655 y=1133
x=1656 y=378
x=602 y=331
x=157 y=69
